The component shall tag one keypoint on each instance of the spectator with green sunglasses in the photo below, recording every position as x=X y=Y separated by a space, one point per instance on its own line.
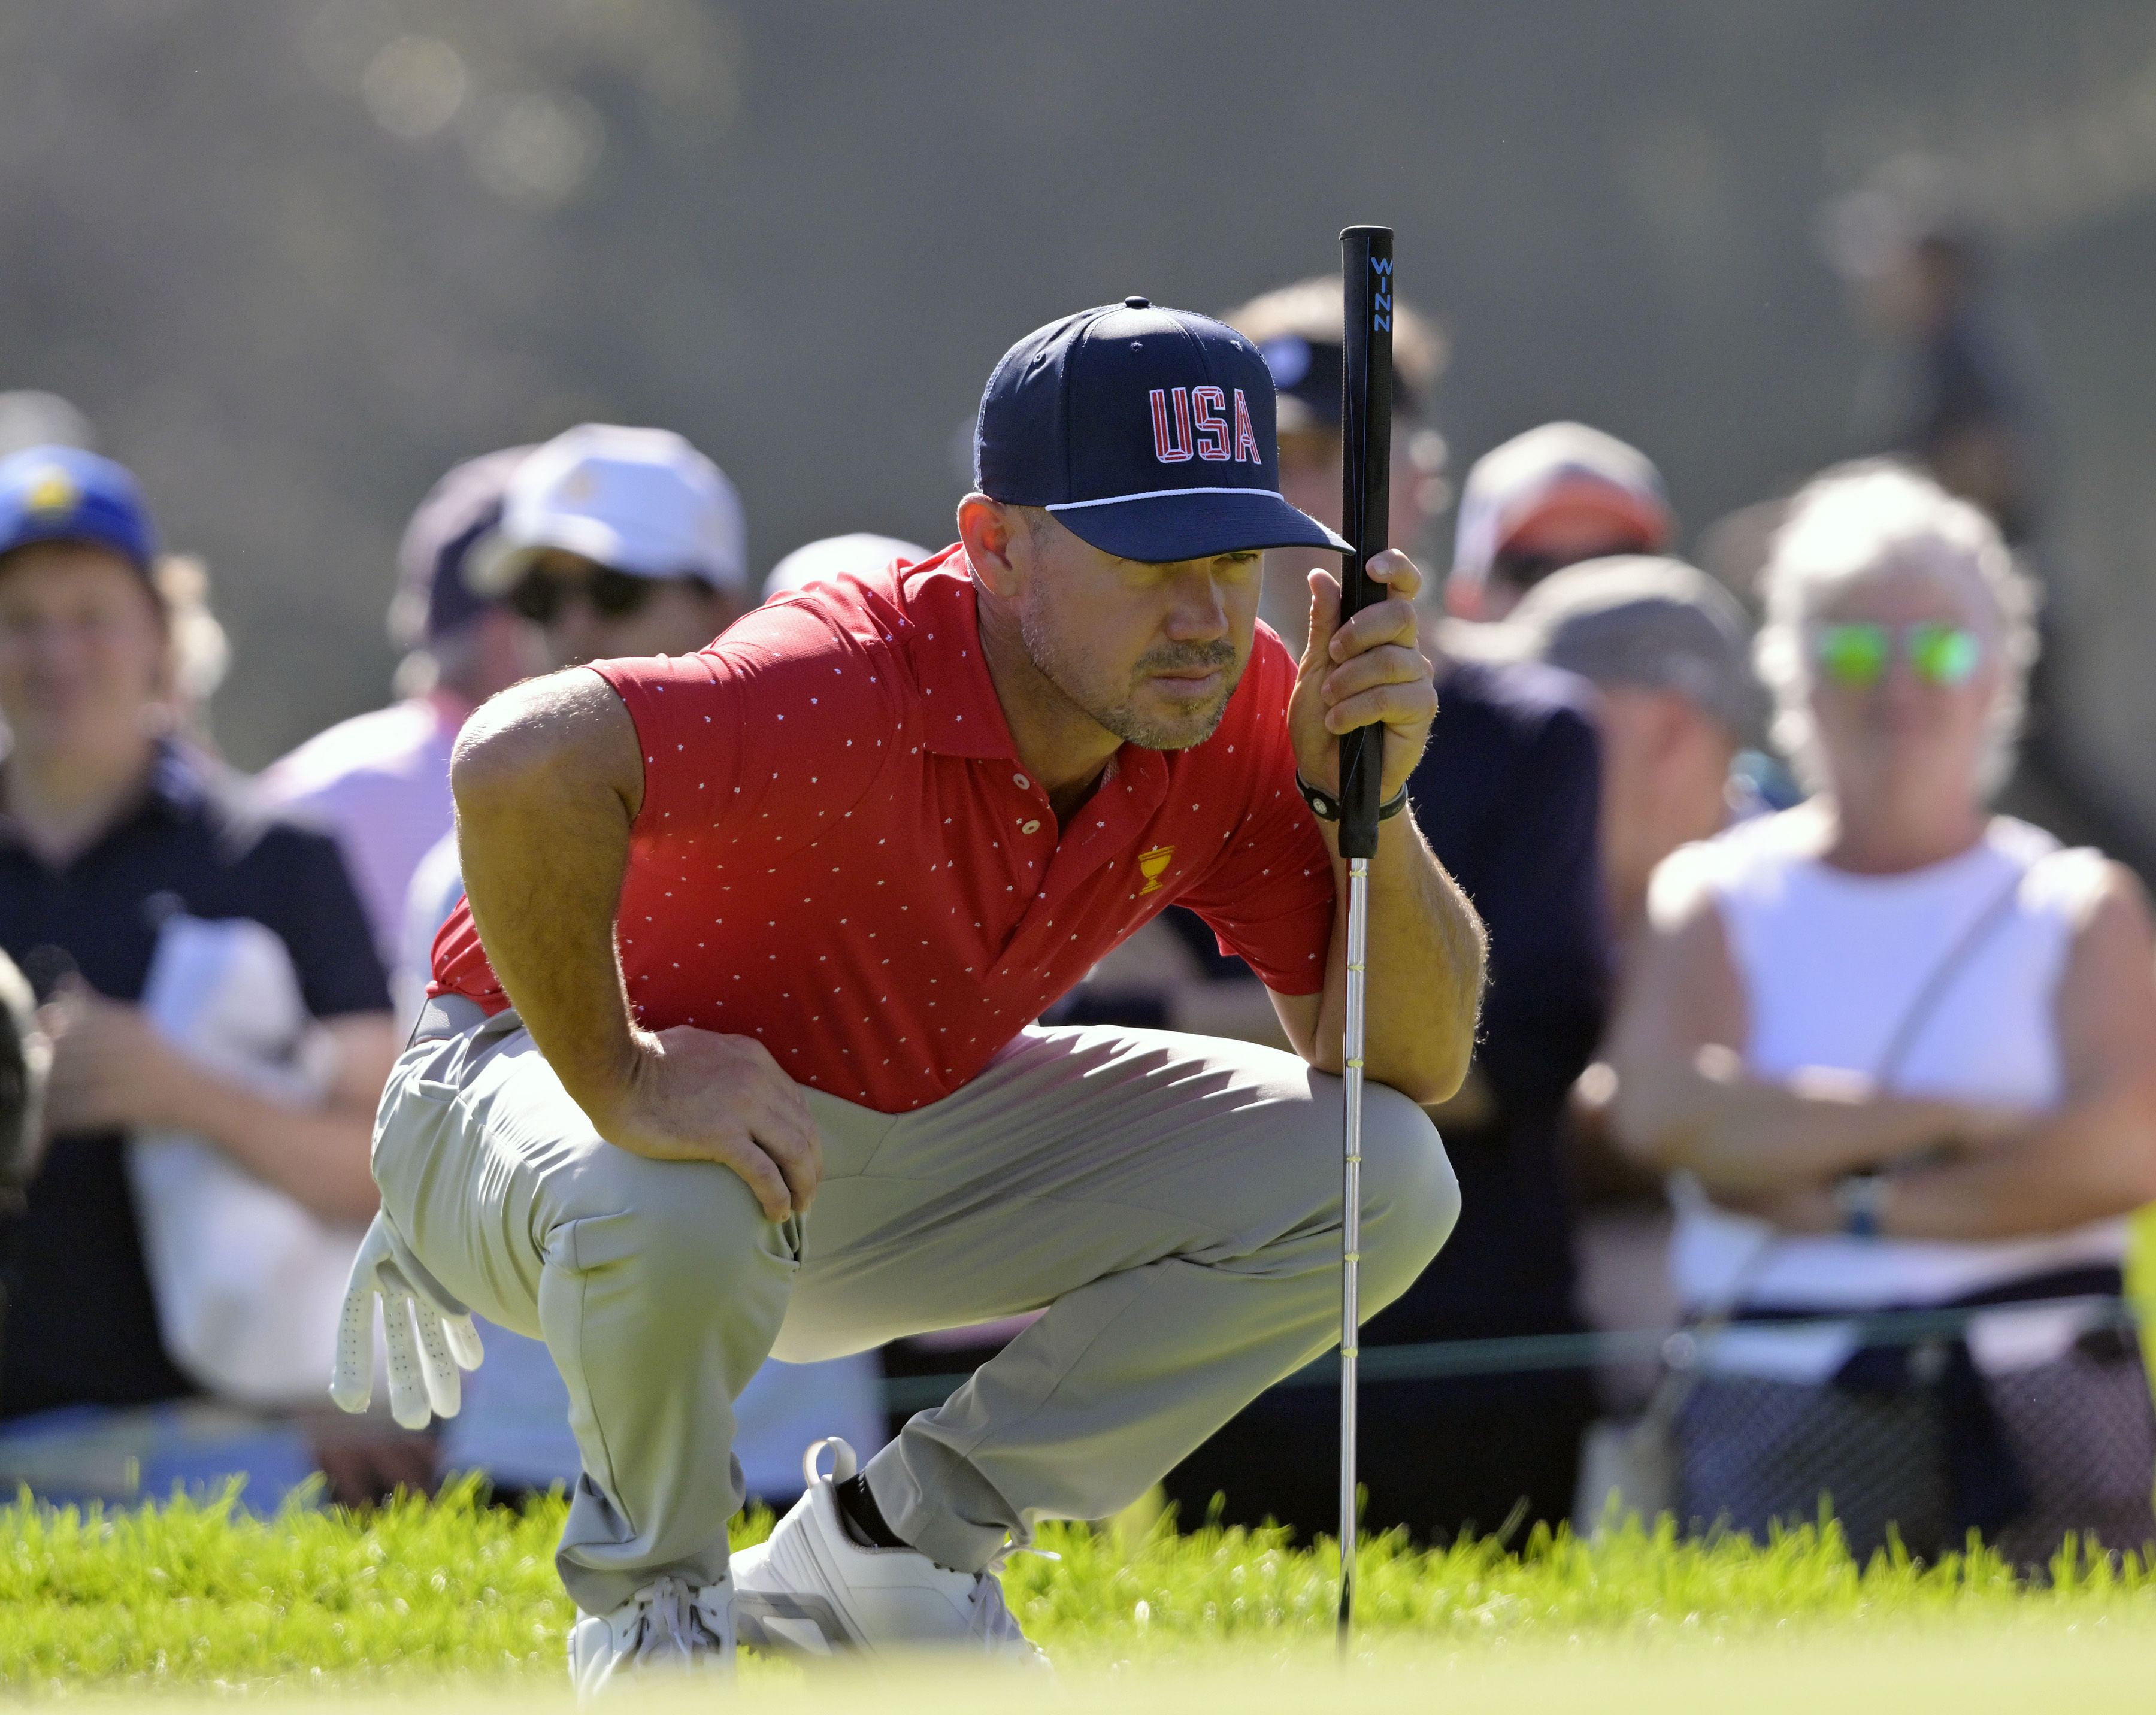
x=1901 y=1054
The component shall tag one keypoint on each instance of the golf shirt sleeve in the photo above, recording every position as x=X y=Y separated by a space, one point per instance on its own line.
x=776 y=722
x=1269 y=895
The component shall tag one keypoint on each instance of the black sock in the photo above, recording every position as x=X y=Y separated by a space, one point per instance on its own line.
x=864 y=1518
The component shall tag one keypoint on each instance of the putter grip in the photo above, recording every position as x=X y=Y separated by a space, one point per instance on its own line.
x=1366 y=464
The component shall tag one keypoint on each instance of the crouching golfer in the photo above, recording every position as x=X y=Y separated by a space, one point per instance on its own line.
x=766 y=926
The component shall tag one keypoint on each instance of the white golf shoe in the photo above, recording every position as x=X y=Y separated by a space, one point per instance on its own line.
x=811 y=1589
x=669 y=1628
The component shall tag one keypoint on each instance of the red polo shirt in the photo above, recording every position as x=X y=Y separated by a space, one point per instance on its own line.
x=839 y=854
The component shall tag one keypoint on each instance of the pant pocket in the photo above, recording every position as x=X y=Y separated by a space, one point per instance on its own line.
x=409 y=1125
x=656 y=1321
x=593 y=1242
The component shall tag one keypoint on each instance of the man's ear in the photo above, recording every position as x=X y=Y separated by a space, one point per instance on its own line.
x=998 y=544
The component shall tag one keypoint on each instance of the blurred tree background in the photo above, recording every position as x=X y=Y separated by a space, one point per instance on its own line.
x=294 y=261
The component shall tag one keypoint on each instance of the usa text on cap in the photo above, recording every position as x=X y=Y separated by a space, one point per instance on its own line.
x=1147 y=432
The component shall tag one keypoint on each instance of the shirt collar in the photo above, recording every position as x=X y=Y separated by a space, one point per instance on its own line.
x=175 y=790
x=960 y=715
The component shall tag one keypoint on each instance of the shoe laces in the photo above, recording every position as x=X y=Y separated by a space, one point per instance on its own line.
x=672 y=1630
x=991 y=1621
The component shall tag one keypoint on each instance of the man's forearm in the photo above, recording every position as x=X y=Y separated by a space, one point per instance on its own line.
x=2097 y=1159
x=1425 y=969
x=316 y=1156
x=1741 y=1134
x=544 y=812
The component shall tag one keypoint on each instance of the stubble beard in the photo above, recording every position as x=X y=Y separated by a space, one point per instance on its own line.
x=1117 y=710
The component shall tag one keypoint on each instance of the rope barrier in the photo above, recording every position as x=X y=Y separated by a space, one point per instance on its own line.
x=1437 y=1360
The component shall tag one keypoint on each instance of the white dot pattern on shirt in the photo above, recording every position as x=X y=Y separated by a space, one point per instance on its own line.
x=1044 y=973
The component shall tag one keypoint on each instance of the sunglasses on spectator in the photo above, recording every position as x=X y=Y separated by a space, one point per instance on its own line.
x=1523 y=567
x=1857 y=654
x=540 y=596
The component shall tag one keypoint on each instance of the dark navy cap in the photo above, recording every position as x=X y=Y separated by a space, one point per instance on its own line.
x=54 y=493
x=432 y=595
x=1307 y=371
x=1146 y=432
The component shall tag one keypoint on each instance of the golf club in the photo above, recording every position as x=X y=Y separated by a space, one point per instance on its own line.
x=1366 y=434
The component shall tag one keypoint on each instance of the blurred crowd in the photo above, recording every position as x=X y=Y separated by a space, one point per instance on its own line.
x=1792 y=1030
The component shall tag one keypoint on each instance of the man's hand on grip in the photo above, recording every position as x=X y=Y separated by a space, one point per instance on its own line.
x=1370 y=670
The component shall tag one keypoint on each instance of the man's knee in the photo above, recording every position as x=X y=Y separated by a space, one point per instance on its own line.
x=494 y=1174
x=690 y=1225
x=1410 y=1197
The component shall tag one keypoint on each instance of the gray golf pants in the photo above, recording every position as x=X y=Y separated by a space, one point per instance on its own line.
x=1173 y=1201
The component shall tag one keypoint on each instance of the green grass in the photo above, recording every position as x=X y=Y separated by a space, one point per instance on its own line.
x=186 y=1597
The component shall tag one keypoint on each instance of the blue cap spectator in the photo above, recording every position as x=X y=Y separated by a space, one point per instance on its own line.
x=56 y=493
x=120 y=847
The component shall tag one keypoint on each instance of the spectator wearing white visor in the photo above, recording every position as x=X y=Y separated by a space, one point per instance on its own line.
x=615 y=542
x=619 y=542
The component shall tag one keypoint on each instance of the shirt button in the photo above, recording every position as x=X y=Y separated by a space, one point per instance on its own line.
x=1030 y=827
x=1020 y=782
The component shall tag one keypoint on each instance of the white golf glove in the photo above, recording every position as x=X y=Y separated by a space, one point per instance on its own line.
x=422 y=1366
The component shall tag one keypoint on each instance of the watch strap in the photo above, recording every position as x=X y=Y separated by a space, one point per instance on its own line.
x=1862 y=1199
x=1326 y=807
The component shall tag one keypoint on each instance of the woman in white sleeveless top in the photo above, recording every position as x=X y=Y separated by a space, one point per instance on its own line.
x=1901 y=1055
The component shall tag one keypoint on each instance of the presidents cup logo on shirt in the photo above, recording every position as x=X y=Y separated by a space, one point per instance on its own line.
x=1201 y=427
x=1153 y=865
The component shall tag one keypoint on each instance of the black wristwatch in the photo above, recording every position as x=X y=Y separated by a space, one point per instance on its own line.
x=1326 y=807
x=1861 y=1199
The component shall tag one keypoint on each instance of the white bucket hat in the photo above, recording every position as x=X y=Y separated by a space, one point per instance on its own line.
x=639 y=501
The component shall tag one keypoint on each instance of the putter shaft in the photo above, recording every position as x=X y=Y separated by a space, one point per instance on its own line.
x=1366 y=425
x=1350 y=1228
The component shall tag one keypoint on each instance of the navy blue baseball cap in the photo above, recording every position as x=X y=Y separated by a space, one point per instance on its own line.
x=459 y=513
x=1146 y=432
x=63 y=494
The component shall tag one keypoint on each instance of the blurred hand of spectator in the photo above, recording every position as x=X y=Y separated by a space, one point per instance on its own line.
x=365 y=1461
x=111 y=1070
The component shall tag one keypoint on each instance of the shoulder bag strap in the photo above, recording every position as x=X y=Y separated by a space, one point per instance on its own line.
x=1716 y=1315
